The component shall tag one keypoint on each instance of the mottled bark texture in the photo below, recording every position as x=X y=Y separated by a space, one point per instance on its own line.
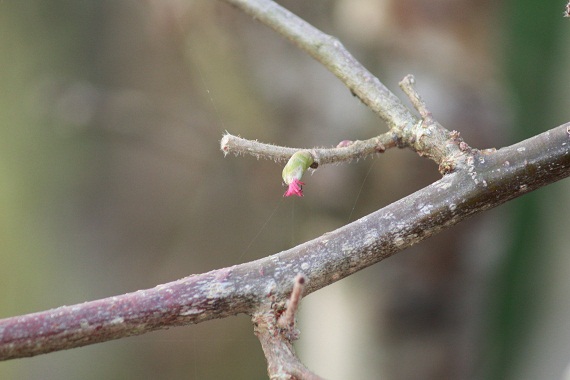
x=490 y=180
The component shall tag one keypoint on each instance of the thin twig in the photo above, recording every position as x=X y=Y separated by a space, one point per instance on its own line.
x=287 y=319
x=352 y=151
x=330 y=52
x=429 y=138
x=407 y=85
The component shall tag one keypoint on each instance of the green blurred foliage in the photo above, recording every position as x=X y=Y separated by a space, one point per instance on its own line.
x=532 y=52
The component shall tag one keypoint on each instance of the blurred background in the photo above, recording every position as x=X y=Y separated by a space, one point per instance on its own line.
x=111 y=180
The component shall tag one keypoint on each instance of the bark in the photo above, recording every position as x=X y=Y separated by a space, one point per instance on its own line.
x=490 y=180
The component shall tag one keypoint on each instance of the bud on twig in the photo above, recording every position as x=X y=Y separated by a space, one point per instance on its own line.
x=294 y=170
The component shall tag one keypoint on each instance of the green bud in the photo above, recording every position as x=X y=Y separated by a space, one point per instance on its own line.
x=296 y=166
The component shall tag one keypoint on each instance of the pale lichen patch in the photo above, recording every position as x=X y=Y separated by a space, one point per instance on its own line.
x=399 y=241
x=190 y=311
x=117 y=321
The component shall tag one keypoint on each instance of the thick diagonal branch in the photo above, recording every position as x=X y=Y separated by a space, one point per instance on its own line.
x=490 y=180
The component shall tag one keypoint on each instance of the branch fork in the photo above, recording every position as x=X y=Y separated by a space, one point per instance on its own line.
x=426 y=137
x=275 y=329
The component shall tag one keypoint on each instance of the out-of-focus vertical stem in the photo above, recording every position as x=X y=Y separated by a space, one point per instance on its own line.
x=531 y=49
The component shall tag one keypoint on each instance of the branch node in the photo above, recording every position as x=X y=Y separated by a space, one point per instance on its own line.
x=380 y=148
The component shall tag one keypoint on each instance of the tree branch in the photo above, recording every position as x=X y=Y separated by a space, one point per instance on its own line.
x=276 y=334
x=330 y=52
x=427 y=137
x=490 y=180
x=346 y=151
x=282 y=363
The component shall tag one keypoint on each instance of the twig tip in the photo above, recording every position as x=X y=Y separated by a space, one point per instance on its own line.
x=287 y=319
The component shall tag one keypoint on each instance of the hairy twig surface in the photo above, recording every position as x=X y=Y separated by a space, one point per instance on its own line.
x=352 y=150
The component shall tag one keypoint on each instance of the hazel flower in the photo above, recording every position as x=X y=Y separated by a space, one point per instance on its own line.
x=294 y=170
x=295 y=188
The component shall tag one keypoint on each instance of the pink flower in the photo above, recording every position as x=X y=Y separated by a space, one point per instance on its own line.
x=294 y=188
